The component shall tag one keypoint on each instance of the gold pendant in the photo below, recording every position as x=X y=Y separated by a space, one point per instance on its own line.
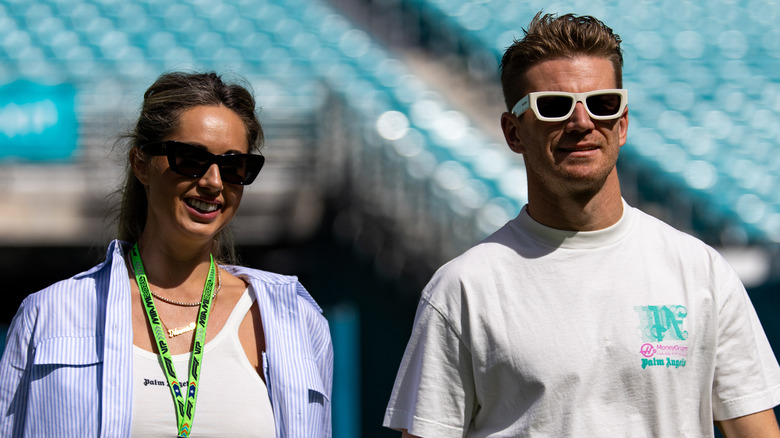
x=179 y=331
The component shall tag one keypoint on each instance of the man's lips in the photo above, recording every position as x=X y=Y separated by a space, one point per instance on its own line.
x=583 y=148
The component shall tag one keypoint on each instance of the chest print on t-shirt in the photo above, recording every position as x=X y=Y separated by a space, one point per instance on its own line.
x=663 y=335
x=158 y=382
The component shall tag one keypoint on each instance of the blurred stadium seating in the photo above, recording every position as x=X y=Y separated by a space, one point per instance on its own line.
x=381 y=104
x=703 y=96
x=405 y=140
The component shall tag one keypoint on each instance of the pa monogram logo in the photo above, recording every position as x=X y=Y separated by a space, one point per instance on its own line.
x=659 y=323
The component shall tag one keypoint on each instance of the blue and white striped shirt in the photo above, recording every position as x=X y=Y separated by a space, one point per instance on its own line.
x=67 y=367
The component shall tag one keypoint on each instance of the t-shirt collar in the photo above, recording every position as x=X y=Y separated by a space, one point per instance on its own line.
x=577 y=239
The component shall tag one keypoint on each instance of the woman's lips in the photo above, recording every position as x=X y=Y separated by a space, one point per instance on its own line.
x=203 y=206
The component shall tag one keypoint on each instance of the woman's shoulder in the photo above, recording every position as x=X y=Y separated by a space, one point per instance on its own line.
x=259 y=275
x=76 y=297
x=278 y=287
x=83 y=283
x=67 y=308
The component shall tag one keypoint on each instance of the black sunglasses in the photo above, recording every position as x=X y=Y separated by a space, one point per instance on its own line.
x=192 y=161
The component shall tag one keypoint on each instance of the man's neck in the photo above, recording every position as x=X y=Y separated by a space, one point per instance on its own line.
x=577 y=211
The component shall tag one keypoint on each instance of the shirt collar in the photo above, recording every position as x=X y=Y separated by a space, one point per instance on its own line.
x=577 y=239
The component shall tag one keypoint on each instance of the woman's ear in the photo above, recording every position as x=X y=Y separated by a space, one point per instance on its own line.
x=138 y=165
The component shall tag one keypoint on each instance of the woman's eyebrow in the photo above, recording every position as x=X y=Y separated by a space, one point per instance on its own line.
x=205 y=148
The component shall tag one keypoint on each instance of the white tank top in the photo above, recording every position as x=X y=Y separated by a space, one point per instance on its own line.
x=232 y=398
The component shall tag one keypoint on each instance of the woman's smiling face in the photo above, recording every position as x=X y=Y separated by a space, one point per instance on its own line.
x=194 y=208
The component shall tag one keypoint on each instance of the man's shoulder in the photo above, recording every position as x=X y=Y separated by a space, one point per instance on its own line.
x=478 y=258
x=655 y=228
x=473 y=269
x=663 y=239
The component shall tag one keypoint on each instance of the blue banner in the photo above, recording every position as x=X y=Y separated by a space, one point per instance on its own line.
x=37 y=122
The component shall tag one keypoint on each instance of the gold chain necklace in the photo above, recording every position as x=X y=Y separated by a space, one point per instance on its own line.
x=191 y=326
x=197 y=303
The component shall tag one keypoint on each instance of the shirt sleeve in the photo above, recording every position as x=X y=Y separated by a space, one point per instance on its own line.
x=13 y=376
x=747 y=376
x=323 y=347
x=434 y=394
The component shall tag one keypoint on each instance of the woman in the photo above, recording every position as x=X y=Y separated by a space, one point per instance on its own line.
x=100 y=354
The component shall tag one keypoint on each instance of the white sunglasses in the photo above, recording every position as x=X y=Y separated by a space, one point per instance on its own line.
x=557 y=106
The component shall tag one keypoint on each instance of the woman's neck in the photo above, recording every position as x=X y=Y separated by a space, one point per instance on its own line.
x=179 y=270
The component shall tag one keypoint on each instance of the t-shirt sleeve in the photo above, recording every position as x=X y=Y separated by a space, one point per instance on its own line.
x=433 y=395
x=747 y=376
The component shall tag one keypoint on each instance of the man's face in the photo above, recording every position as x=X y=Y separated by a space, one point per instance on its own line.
x=577 y=154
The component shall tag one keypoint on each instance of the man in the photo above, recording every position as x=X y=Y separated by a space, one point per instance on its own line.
x=582 y=317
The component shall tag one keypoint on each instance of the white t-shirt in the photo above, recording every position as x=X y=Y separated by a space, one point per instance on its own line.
x=637 y=330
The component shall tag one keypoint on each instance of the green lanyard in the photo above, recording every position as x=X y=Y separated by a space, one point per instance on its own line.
x=185 y=409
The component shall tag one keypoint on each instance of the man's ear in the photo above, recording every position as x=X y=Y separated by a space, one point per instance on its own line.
x=623 y=127
x=138 y=165
x=510 y=125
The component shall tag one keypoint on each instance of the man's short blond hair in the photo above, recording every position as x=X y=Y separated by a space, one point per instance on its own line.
x=553 y=37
